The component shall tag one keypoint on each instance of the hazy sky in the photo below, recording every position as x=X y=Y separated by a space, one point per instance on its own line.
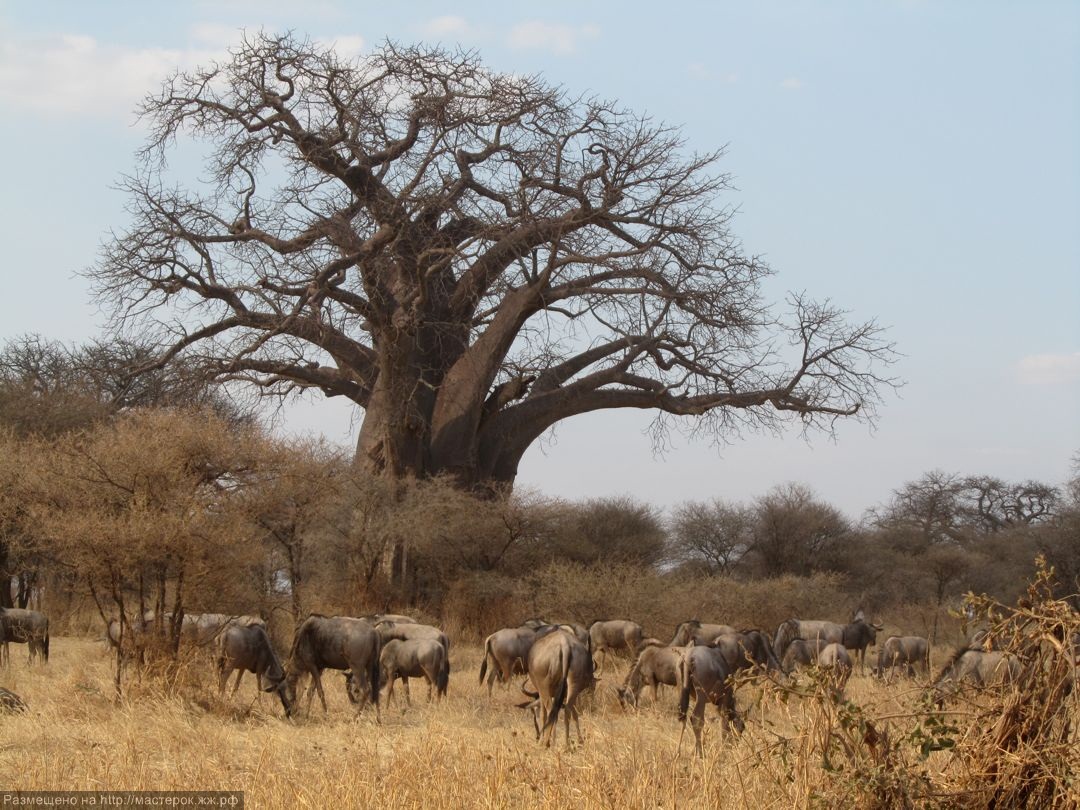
x=916 y=162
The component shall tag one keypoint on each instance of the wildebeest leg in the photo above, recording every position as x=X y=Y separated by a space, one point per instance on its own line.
x=223 y=678
x=571 y=710
x=697 y=720
x=391 y=677
x=535 y=712
x=408 y=697
x=729 y=711
x=545 y=706
x=236 y=686
x=316 y=685
x=322 y=694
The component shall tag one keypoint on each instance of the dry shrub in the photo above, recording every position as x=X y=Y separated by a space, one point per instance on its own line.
x=1022 y=749
x=480 y=602
x=1001 y=747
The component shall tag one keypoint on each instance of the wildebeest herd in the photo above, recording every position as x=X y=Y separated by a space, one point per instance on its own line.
x=559 y=662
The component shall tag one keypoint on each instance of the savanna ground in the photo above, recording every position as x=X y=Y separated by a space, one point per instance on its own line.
x=468 y=751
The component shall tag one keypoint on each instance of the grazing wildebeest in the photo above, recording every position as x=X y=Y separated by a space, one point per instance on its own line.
x=247 y=648
x=388 y=630
x=27 y=627
x=910 y=651
x=419 y=658
x=979 y=667
x=334 y=642
x=616 y=635
x=836 y=662
x=561 y=669
x=856 y=635
x=694 y=632
x=655 y=665
x=507 y=650
x=705 y=673
x=802 y=653
x=10 y=702
x=745 y=649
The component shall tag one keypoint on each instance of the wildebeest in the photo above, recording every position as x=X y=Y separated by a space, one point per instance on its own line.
x=10 y=702
x=655 y=665
x=561 y=669
x=855 y=635
x=694 y=632
x=247 y=648
x=334 y=642
x=22 y=626
x=979 y=667
x=411 y=631
x=910 y=651
x=507 y=651
x=705 y=673
x=132 y=632
x=748 y=648
x=616 y=635
x=419 y=658
x=836 y=662
x=802 y=653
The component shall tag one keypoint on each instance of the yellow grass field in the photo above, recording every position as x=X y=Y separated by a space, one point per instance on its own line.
x=466 y=752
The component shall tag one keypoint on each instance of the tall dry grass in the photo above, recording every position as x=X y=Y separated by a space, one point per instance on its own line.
x=466 y=752
x=883 y=746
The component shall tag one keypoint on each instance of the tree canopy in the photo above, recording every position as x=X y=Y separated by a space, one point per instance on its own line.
x=469 y=256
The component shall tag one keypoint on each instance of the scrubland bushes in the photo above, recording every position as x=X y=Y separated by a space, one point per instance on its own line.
x=178 y=509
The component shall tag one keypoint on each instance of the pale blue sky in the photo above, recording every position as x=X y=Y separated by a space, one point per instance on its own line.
x=917 y=162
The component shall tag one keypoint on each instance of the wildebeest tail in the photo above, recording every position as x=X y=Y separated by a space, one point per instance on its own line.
x=560 y=695
x=685 y=676
x=45 y=641
x=483 y=664
x=442 y=679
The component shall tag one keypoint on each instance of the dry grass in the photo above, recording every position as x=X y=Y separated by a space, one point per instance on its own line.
x=466 y=752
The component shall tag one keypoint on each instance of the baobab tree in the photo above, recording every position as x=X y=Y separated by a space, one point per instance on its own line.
x=468 y=256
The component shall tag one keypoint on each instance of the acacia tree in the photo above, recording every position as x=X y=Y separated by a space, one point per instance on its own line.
x=795 y=532
x=714 y=534
x=468 y=256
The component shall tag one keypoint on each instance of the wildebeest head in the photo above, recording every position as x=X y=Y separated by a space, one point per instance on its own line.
x=285 y=691
x=286 y=688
